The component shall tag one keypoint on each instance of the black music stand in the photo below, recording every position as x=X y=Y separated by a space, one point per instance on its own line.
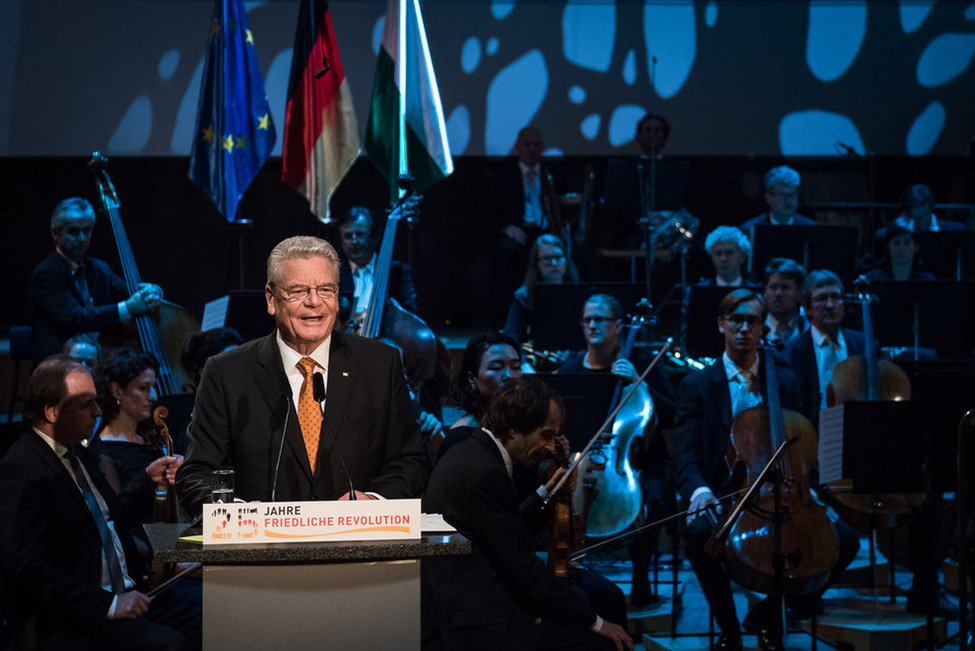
x=947 y=254
x=247 y=314
x=927 y=314
x=621 y=188
x=814 y=247
x=586 y=397
x=556 y=310
x=701 y=336
x=940 y=379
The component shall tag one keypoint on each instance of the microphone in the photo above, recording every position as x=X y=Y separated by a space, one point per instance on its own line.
x=277 y=464
x=318 y=391
x=850 y=151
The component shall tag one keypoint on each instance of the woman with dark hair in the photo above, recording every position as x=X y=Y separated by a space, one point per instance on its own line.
x=489 y=360
x=900 y=257
x=201 y=347
x=126 y=440
x=548 y=264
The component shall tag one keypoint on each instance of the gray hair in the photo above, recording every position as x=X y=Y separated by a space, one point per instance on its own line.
x=782 y=175
x=300 y=247
x=731 y=234
x=815 y=280
x=59 y=218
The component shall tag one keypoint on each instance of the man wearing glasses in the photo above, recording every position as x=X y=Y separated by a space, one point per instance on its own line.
x=601 y=326
x=256 y=411
x=814 y=354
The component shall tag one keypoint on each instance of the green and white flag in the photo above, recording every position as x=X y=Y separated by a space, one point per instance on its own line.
x=405 y=105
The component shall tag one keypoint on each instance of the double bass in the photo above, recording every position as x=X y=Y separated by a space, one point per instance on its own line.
x=867 y=377
x=163 y=333
x=784 y=520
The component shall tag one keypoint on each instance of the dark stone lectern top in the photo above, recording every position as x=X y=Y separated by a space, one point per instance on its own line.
x=168 y=548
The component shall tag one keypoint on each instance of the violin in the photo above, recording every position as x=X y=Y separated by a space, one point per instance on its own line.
x=164 y=506
x=161 y=334
x=608 y=495
x=805 y=539
x=868 y=378
x=567 y=527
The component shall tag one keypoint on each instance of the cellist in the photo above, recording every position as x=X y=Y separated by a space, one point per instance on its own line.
x=601 y=327
x=72 y=294
x=707 y=402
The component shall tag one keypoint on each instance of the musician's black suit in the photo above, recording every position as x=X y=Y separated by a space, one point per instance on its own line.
x=244 y=403
x=57 y=309
x=800 y=353
x=501 y=596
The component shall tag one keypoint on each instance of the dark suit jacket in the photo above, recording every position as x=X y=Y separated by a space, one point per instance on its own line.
x=400 y=284
x=57 y=311
x=703 y=426
x=765 y=218
x=489 y=600
x=511 y=194
x=50 y=546
x=244 y=407
x=801 y=357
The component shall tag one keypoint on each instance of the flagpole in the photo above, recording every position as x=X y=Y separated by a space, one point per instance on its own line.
x=401 y=82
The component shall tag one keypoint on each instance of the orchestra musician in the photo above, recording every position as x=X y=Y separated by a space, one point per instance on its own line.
x=782 y=197
x=652 y=132
x=783 y=291
x=357 y=230
x=72 y=294
x=547 y=264
x=502 y=596
x=601 y=327
x=246 y=415
x=708 y=401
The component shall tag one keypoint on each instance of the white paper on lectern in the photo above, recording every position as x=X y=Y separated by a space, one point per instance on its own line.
x=325 y=521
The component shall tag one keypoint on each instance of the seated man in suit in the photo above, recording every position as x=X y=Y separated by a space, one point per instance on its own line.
x=814 y=354
x=782 y=196
x=73 y=577
x=357 y=229
x=256 y=410
x=708 y=401
x=502 y=596
x=917 y=212
x=71 y=294
x=652 y=132
x=783 y=289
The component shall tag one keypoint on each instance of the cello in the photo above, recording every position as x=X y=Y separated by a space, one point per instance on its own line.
x=608 y=496
x=163 y=333
x=784 y=521
x=867 y=377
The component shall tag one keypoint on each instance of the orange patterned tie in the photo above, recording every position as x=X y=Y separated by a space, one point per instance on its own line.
x=309 y=411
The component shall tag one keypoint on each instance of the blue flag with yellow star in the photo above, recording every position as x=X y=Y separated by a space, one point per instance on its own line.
x=234 y=134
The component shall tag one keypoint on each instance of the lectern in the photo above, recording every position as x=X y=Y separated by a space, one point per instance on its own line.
x=338 y=595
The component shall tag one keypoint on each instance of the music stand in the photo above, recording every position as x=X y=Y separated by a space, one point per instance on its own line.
x=947 y=254
x=556 y=310
x=701 y=336
x=814 y=247
x=586 y=397
x=621 y=187
x=940 y=379
x=925 y=313
x=247 y=314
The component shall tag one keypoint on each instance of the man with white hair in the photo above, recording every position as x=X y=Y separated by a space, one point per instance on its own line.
x=729 y=251
x=782 y=196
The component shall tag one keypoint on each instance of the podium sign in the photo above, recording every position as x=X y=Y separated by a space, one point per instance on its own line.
x=283 y=522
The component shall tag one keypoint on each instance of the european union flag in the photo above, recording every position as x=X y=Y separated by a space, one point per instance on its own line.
x=234 y=134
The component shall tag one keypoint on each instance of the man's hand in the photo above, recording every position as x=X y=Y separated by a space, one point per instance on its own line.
x=145 y=300
x=164 y=469
x=430 y=425
x=131 y=604
x=359 y=495
x=617 y=634
x=516 y=233
x=624 y=368
x=701 y=501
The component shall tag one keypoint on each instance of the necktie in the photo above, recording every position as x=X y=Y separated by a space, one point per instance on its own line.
x=829 y=363
x=108 y=544
x=82 y=285
x=533 y=201
x=309 y=411
x=747 y=393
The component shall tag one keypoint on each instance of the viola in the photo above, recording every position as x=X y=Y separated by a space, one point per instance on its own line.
x=608 y=496
x=807 y=541
x=163 y=333
x=868 y=378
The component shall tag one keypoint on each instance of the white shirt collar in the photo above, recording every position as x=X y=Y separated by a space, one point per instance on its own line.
x=731 y=370
x=721 y=283
x=290 y=356
x=525 y=169
x=58 y=447
x=371 y=265
x=508 y=465
x=819 y=337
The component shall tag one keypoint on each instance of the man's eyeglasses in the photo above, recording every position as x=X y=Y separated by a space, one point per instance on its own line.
x=295 y=293
x=551 y=259
x=823 y=299
x=738 y=321
x=595 y=320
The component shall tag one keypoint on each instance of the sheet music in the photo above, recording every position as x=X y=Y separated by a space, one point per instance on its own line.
x=831 y=444
x=215 y=313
